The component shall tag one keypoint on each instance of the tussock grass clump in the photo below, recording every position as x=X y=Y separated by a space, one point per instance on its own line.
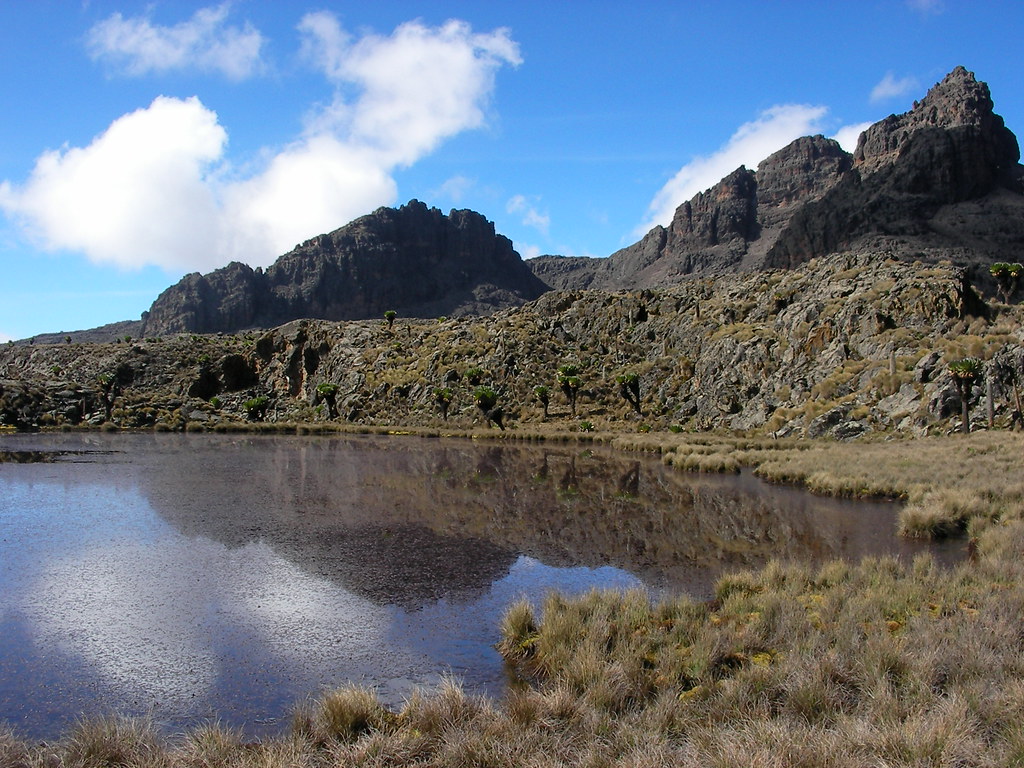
x=518 y=631
x=113 y=741
x=942 y=513
x=211 y=746
x=868 y=664
x=12 y=750
x=341 y=715
x=705 y=462
x=432 y=713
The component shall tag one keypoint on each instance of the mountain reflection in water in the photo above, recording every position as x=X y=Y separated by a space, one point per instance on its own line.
x=198 y=576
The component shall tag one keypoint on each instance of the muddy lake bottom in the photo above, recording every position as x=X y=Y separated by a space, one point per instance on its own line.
x=191 y=578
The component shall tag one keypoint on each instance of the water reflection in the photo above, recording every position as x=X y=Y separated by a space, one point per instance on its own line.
x=193 y=576
x=409 y=521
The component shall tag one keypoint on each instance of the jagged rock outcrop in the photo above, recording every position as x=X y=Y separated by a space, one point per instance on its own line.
x=413 y=260
x=942 y=179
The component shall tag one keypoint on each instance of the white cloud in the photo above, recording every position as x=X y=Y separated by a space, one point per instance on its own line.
x=418 y=87
x=848 y=135
x=889 y=87
x=139 y=193
x=529 y=251
x=925 y=7
x=5 y=337
x=157 y=188
x=314 y=186
x=749 y=145
x=455 y=188
x=137 y=46
x=531 y=216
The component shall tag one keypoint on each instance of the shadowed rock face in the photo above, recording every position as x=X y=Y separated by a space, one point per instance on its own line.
x=413 y=260
x=943 y=178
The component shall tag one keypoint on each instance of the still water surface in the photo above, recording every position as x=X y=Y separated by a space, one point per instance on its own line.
x=192 y=577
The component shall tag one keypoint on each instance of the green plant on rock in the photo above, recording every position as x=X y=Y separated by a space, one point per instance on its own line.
x=443 y=397
x=965 y=373
x=109 y=389
x=629 y=388
x=486 y=400
x=569 y=382
x=256 y=408
x=475 y=375
x=1007 y=278
x=329 y=393
x=543 y=395
x=586 y=426
x=389 y=318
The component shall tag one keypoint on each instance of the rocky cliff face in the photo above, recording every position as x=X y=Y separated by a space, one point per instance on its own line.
x=943 y=179
x=413 y=260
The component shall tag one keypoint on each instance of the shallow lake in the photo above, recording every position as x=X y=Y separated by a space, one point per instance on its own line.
x=193 y=577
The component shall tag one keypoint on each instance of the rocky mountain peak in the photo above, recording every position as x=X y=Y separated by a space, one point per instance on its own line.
x=939 y=182
x=960 y=106
x=414 y=260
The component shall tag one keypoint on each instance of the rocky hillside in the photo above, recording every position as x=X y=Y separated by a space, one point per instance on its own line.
x=413 y=260
x=940 y=182
x=847 y=345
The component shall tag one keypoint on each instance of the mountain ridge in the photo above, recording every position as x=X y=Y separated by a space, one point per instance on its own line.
x=906 y=178
x=941 y=182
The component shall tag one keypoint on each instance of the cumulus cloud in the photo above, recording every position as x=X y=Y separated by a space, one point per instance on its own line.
x=141 y=192
x=848 y=135
x=313 y=186
x=751 y=143
x=419 y=86
x=137 y=46
x=157 y=187
x=519 y=204
x=891 y=87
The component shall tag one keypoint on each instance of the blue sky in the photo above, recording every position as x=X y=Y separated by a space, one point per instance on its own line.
x=141 y=141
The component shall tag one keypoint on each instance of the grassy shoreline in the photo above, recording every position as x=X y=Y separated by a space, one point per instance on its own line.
x=876 y=663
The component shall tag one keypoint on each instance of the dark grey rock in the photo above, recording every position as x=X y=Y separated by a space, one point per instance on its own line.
x=829 y=420
x=413 y=260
